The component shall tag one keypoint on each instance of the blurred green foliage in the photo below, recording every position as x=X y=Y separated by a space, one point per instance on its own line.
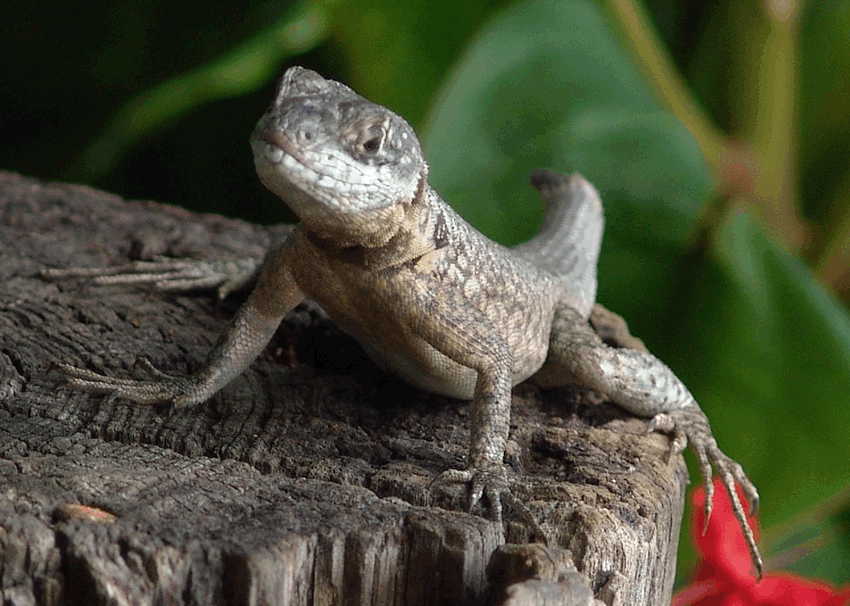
x=721 y=219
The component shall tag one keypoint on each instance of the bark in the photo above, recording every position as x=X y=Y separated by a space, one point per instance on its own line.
x=305 y=481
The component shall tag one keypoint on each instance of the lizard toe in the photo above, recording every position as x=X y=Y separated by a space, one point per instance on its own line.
x=491 y=481
x=664 y=423
x=488 y=480
x=163 y=389
x=689 y=425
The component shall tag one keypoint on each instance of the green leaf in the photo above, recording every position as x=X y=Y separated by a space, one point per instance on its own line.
x=775 y=357
x=762 y=346
x=243 y=69
x=397 y=52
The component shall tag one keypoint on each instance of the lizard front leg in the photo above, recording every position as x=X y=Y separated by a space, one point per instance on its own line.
x=643 y=385
x=460 y=338
x=244 y=339
x=489 y=419
x=227 y=275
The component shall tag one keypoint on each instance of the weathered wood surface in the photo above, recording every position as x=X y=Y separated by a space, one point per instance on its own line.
x=307 y=480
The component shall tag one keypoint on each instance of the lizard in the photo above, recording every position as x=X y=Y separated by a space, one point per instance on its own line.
x=428 y=297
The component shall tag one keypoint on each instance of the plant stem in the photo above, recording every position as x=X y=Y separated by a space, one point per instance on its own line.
x=766 y=104
x=772 y=62
x=665 y=80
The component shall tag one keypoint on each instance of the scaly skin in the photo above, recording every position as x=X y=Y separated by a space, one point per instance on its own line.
x=430 y=298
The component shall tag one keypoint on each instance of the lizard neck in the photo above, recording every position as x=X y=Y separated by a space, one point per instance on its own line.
x=419 y=230
x=367 y=228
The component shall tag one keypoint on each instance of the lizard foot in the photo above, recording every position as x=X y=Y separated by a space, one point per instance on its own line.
x=171 y=275
x=690 y=425
x=179 y=391
x=491 y=480
x=488 y=479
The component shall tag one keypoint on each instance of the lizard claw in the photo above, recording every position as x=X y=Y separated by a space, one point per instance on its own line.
x=664 y=423
x=171 y=275
x=163 y=389
x=488 y=479
x=690 y=425
x=491 y=480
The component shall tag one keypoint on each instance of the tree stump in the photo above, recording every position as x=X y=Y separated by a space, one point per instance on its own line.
x=305 y=481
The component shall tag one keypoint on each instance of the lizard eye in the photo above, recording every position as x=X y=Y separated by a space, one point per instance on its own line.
x=305 y=136
x=373 y=144
x=374 y=139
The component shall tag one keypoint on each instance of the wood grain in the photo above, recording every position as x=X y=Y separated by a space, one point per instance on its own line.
x=305 y=481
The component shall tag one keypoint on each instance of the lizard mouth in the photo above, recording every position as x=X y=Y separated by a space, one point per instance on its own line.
x=274 y=153
x=307 y=170
x=292 y=177
x=276 y=156
x=274 y=148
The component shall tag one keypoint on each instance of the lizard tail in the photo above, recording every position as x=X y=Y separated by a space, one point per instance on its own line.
x=567 y=244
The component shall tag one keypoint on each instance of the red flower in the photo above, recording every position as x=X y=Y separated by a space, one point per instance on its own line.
x=725 y=575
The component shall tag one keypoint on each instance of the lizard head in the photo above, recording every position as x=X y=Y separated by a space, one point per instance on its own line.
x=347 y=167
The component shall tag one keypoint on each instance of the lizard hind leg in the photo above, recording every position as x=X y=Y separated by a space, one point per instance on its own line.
x=641 y=384
x=567 y=243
